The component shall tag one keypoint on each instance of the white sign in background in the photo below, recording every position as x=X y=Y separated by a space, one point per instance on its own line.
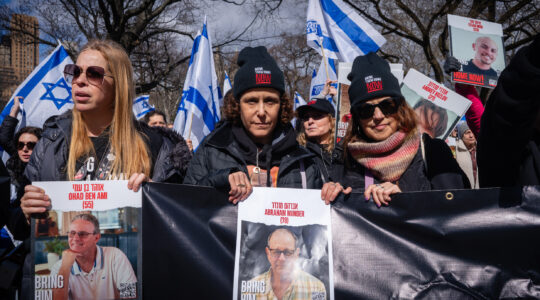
x=440 y=94
x=90 y=195
x=469 y=24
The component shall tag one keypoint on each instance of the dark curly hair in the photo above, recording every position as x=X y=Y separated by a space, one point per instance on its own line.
x=14 y=164
x=231 y=109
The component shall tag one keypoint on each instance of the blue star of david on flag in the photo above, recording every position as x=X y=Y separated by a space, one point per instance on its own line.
x=49 y=94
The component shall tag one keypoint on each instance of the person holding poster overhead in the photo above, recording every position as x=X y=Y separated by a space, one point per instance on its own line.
x=386 y=154
x=256 y=146
x=99 y=139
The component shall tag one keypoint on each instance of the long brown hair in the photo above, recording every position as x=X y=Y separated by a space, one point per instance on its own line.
x=127 y=145
x=302 y=138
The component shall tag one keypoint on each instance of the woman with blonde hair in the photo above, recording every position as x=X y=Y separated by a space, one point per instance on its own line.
x=100 y=138
x=316 y=133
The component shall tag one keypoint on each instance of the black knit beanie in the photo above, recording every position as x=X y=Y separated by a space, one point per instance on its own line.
x=371 y=78
x=257 y=69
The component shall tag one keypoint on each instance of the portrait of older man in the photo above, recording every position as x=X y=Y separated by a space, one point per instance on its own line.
x=284 y=279
x=485 y=54
x=90 y=271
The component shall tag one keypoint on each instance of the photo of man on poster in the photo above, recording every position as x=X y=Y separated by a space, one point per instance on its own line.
x=90 y=271
x=284 y=279
x=485 y=54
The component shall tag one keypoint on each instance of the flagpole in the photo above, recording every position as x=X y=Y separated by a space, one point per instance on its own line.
x=190 y=123
x=324 y=59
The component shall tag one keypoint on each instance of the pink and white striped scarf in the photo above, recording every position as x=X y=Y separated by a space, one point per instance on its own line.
x=387 y=160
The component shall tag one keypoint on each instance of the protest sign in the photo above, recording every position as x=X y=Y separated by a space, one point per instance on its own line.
x=464 y=244
x=281 y=235
x=478 y=45
x=438 y=108
x=86 y=245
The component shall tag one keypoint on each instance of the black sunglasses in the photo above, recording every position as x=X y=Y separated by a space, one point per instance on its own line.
x=94 y=74
x=388 y=106
x=29 y=145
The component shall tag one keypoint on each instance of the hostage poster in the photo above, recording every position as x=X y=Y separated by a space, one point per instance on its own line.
x=283 y=246
x=86 y=245
x=437 y=107
x=478 y=45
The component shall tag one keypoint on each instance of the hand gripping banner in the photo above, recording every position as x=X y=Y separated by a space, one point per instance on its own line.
x=474 y=244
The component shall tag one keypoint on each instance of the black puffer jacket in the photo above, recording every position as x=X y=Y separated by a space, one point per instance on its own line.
x=170 y=154
x=220 y=155
x=509 y=143
x=330 y=164
x=439 y=170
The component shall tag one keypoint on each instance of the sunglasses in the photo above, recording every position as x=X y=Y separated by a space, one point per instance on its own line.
x=388 y=106
x=94 y=74
x=315 y=115
x=29 y=145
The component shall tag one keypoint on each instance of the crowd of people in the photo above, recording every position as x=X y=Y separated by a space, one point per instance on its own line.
x=385 y=151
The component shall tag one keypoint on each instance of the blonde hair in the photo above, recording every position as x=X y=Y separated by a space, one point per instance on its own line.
x=302 y=138
x=127 y=145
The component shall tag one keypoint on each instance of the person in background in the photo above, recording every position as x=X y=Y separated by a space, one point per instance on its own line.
x=256 y=145
x=466 y=153
x=155 y=118
x=508 y=145
x=19 y=146
x=385 y=152
x=474 y=114
x=317 y=132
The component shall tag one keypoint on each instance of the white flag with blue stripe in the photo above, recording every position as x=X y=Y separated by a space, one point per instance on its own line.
x=319 y=78
x=298 y=101
x=198 y=111
x=343 y=33
x=226 y=84
x=141 y=106
x=45 y=92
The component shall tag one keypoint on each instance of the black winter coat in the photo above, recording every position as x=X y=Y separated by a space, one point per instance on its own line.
x=330 y=164
x=219 y=155
x=439 y=170
x=170 y=154
x=509 y=144
x=7 y=131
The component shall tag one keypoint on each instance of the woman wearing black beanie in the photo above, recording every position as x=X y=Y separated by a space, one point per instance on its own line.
x=256 y=146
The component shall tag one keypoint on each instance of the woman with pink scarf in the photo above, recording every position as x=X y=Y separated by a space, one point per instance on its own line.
x=385 y=151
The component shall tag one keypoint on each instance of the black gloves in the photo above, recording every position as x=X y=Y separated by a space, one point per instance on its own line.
x=451 y=64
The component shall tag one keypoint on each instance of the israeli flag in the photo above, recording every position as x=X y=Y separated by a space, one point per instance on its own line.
x=343 y=34
x=298 y=101
x=45 y=92
x=141 y=106
x=198 y=111
x=226 y=84
x=318 y=78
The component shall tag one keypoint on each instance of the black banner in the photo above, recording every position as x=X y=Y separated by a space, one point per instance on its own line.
x=475 y=244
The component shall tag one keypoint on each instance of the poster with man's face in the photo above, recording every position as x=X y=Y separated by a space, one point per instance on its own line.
x=87 y=245
x=437 y=108
x=284 y=247
x=478 y=45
